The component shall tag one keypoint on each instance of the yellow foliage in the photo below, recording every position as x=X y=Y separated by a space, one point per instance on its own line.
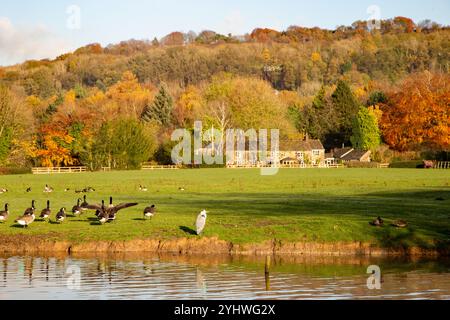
x=70 y=97
x=316 y=57
x=377 y=112
x=360 y=92
x=266 y=55
x=33 y=101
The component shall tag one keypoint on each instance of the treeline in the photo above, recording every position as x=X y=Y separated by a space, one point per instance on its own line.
x=382 y=90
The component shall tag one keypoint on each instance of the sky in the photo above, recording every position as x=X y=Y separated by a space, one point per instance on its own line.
x=31 y=29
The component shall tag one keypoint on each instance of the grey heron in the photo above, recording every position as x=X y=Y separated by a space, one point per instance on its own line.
x=201 y=222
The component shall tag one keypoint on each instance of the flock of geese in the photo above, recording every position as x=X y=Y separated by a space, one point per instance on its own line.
x=104 y=213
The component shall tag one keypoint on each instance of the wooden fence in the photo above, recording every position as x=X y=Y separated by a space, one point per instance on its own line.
x=442 y=165
x=153 y=167
x=286 y=166
x=56 y=170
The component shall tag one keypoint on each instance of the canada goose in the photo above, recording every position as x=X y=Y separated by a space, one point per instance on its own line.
x=101 y=210
x=378 y=222
x=201 y=222
x=103 y=217
x=85 y=204
x=143 y=189
x=111 y=203
x=32 y=210
x=45 y=214
x=48 y=189
x=61 y=215
x=28 y=190
x=109 y=213
x=77 y=210
x=150 y=212
x=78 y=191
x=4 y=214
x=66 y=189
x=112 y=212
x=181 y=189
x=3 y=190
x=88 y=189
x=26 y=220
x=400 y=224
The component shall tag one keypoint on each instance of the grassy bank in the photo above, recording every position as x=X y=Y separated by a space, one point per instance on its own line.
x=319 y=206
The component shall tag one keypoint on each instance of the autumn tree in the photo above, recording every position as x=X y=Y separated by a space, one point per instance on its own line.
x=127 y=97
x=417 y=116
x=5 y=122
x=173 y=39
x=54 y=148
x=16 y=126
x=188 y=107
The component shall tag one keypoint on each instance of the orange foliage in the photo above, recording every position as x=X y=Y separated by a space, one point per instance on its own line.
x=264 y=35
x=53 y=152
x=406 y=23
x=418 y=115
x=173 y=39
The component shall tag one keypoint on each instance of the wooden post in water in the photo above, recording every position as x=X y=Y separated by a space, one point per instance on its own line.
x=267 y=273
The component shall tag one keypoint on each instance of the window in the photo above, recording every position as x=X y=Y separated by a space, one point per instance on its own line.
x=316 y=153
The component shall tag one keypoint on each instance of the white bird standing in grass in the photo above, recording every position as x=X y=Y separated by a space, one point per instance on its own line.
x=48 y=189
x=201 y=222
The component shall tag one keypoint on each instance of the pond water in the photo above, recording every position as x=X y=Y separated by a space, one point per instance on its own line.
x=180 y=277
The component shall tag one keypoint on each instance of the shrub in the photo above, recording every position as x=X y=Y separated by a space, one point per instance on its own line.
x=407 y=164
x=13 y=170
x=362 y=165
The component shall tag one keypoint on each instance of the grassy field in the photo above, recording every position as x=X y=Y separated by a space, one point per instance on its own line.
x=244 y=207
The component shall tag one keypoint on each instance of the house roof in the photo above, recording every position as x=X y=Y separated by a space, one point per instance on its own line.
x=339 y=153
x=296 y=145
x=289 y=159
x=349 y=154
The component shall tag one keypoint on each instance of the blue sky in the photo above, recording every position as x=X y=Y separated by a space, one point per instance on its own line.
x=38 y=29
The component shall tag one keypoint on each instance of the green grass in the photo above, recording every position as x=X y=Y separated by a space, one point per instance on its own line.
x=314 y=205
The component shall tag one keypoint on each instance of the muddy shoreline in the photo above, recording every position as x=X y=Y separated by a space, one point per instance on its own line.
x=210 y=246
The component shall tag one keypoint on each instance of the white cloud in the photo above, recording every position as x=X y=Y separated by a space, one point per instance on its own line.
x=20 y=43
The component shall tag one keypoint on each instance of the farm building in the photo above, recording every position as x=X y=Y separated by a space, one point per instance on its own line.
x=307 y=152
x=349 y=155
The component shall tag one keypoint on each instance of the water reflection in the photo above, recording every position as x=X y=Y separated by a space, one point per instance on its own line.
x=220 y=277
